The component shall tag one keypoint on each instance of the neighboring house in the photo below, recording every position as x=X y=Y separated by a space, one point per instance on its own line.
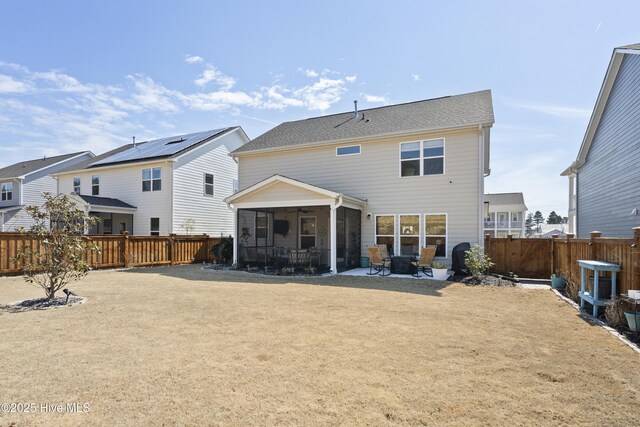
x=546 y=231
x=505 y=215
x=404 y=175
x=170 y=185
x=24 y=183
x=604 y=181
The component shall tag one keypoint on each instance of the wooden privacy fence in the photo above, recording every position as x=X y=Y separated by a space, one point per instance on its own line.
x=120 y=250
x=539 y=258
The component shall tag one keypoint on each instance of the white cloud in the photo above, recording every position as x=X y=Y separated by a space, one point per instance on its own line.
x=351 y=79
x=193 y=59
x=415 y=77
x=374 y=98
x=212 y=74
x=62 y=114
x=9 y=85
x=310 y=73
x=554 y=110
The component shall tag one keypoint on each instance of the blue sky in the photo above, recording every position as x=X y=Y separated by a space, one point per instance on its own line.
x=78 y=75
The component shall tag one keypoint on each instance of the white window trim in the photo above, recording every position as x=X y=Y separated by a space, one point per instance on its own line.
x=421 y=158
x=349 y=154
x=73 y=182
x=204 y=184
x=446 y=229
x=395 y=227
x=151 y=179
x=152 y=231
x=94 y=185
x=5 y=193
x=300 y=235
x=400 y=235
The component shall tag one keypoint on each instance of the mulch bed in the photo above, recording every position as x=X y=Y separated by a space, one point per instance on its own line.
x=485 y=280
x=40 y=304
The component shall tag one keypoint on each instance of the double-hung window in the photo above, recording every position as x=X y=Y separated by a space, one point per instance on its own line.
x=95 y=185
x=7 y=191
x=76 y=184
x=385 y=231
x=435 y=226
x=208 y=184
x=422 y=157
x=152 y=179
x=409 y=234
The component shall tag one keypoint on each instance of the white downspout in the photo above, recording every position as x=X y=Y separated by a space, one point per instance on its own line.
x=334 y=234
x=234 y=233
x=481 y=186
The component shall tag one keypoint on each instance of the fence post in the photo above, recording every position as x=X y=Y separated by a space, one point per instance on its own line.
x=125 y=249
x=209 y=254
x=594 y=246
x=553 y=253
x=172 y=248
x=635 y=278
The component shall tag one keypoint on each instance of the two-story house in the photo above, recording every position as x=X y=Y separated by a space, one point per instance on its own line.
x=604 y=180
x=24 y=183
x=405 y=175
x=505 y=215
x=169 y=185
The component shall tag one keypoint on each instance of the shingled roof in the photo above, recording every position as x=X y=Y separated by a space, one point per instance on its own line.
x=499 y=199
x=30 y=166
x=449 y=112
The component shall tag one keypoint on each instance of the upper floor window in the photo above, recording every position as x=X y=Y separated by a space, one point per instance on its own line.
x=208 y=184
x=76 y=184
x=235 y=186
x=422 y=158
x=7 y=191
x=152 y=179
x=348 y=150
x=95 y=185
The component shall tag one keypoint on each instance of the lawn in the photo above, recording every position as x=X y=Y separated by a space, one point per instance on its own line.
x=183 y=346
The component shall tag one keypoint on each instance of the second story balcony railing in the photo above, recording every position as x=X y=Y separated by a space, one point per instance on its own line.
x=502 y=224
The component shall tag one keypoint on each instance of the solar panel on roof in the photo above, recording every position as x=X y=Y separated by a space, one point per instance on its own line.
x=159 y=147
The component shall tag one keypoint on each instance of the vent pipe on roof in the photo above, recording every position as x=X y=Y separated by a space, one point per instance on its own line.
x=355 y=107
x=134 y=141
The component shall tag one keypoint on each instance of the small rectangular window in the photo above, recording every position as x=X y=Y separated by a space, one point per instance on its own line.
x=208 y=184
x=348 y=150
x=7 y=191
x=95 y=185
x=235 y=186
x=152 y=179
x=436 y=233
x=385 y=231
x=154 y=226
x=76 y=184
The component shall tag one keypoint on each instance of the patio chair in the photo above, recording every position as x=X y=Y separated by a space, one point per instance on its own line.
x=299 y=257
x=426 y=259
x=377 y=262
x=314 y=256
x=384 y=252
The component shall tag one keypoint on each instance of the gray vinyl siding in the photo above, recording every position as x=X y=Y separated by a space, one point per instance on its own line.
x=608 y=184
x=33 y=187
x=211 y=214
x=374 y=175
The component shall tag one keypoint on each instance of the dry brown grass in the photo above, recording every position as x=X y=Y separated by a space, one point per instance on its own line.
x=181 y=346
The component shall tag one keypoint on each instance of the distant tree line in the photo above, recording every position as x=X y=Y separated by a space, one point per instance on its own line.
x=533 y=221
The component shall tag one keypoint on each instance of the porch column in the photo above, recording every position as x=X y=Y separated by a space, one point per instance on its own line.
x=234 y=234
x=333 y=225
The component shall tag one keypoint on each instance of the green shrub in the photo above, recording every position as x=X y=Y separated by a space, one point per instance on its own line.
x=477 y=262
